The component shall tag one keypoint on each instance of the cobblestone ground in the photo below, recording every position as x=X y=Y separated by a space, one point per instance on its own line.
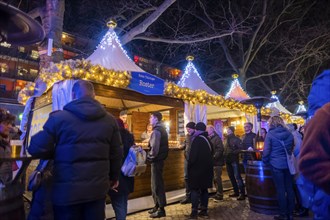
x=228 y=209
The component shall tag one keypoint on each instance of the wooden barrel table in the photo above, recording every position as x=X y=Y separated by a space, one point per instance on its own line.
x=260 y=188
x=11 y=202
x=11 y=194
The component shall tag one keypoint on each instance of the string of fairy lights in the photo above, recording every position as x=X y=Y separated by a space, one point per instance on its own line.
x=234 y=85
x=189 y=68
x=84 y=69
x=76 y=69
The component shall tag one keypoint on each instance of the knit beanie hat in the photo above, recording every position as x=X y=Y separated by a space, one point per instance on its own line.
x=320 y=92
x=200 y=126
x=232 y=128
x=191 y=125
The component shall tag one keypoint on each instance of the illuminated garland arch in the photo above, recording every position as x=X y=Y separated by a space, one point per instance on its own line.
x=76 y=69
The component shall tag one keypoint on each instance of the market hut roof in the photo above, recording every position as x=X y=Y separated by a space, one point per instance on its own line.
x=111 y=55
x=192 y=80
x=236 y=91
x=277 y=104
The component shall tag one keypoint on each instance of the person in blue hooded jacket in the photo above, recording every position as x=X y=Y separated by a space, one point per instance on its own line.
x=274 y=155
x=85 y=144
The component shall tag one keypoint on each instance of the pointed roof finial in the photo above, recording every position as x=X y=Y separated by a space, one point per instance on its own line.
x=273 y=92
x=235 y=76
x=112 y=23
x=190 y=58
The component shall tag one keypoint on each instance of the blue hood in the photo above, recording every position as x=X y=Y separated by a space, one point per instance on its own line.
x=86 y=108
x=320 y=92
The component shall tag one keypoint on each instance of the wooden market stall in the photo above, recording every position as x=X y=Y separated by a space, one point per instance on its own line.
x=119 y=85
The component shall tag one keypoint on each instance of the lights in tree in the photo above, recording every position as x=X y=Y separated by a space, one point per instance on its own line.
x=189 y=69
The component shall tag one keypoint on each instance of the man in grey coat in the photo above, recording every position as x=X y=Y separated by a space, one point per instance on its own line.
x=190 y=127
x=218 y=161
x=85 y=144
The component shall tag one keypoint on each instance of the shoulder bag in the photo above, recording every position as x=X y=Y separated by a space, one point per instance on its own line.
x=290 y=158
x=35 y=177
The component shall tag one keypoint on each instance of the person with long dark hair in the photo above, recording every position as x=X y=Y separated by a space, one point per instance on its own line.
x=119 y=197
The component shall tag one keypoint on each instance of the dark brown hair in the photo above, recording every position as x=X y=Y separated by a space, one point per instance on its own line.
x=5 y=116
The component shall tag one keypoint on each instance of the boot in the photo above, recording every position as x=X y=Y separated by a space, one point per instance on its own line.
x=153 y=210
x=234 y=195
x=241 y=197
x=185 y=201
x=158 y=214
x=203 y=214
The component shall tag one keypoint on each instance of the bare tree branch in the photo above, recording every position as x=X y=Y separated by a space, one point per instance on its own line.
x=174 y=41
x=142 y=27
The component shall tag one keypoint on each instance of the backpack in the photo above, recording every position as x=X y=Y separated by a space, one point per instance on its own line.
x=135 y=162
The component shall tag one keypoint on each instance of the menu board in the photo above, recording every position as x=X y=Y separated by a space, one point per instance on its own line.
x=180 y=123
x=39 y=118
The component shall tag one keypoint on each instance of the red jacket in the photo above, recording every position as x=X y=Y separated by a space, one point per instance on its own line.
x=314 y=161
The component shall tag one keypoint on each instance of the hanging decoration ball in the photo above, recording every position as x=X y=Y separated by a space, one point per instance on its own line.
x=112 y=23
x=190 y=58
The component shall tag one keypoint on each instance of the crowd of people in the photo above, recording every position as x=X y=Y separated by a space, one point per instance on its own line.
x=85 y=162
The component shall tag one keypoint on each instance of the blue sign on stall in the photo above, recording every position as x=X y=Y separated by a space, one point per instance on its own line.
x=146 y=83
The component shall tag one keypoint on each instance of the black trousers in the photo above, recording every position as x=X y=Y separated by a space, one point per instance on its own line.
x=157 y=184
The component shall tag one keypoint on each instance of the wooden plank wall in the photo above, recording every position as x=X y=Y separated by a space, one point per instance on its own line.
x=173 y=176
x=139 y=124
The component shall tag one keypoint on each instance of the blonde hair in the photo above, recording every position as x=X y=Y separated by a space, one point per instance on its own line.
x=276 y=121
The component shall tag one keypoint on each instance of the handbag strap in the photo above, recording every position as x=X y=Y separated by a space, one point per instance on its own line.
x=208 y=143
x=44 y=164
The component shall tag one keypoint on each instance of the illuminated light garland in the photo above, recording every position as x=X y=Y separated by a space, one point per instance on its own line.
x=201 y=96
x=110 y=37
x=189 y=68
x=26 y=92
x=77 y=69
x=235 y=84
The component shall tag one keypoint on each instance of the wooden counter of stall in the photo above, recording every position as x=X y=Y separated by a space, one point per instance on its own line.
x=173 y=175
x=139 y=107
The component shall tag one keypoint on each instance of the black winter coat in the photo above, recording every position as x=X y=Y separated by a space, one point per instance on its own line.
x=126 y=184
x=200 y=165
x=85 y=144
